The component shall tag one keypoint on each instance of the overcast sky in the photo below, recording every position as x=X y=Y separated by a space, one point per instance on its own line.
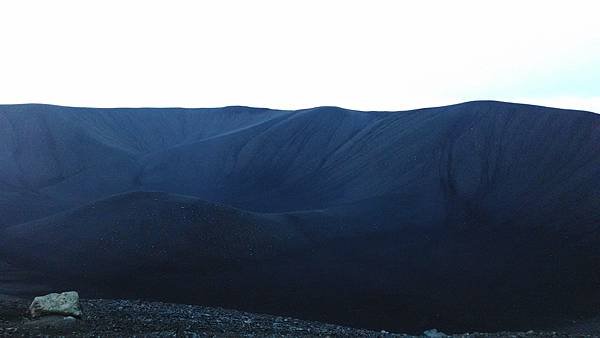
x=368 y=55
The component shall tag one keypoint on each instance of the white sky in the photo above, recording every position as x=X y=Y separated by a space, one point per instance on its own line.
x=369 y=55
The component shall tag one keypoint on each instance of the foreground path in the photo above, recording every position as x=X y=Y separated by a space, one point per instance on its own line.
x=123 y=318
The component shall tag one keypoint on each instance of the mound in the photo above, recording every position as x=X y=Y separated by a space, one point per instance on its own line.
x=441 y=217
x=137 y=231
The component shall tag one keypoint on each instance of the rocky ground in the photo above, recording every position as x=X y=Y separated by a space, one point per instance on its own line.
x=132 y=318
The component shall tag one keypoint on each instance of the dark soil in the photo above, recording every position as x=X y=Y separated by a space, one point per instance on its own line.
x=138 y=318
x=134 y=318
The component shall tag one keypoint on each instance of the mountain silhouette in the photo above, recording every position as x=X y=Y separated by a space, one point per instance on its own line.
x=440 y=217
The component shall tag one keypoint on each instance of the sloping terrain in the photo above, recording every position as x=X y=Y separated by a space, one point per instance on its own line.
x=440 y=217
x=127 y=233
x=134 y=318
x=55 y=158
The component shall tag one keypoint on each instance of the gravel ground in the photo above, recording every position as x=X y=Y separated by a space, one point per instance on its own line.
x=117 y=318
x=131 y=318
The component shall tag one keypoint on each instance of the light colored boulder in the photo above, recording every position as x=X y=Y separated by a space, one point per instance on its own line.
x=64 y=304
x=433 y=333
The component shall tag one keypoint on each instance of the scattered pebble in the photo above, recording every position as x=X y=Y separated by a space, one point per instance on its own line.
x=123 y=318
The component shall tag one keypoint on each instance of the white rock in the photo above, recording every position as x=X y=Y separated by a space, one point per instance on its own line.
x=65 y=304
x=433 y=333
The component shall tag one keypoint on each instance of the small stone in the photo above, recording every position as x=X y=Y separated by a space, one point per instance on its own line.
x=64 y=304
x=434 y=333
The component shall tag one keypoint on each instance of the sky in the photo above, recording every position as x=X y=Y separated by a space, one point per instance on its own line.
x=366 y=55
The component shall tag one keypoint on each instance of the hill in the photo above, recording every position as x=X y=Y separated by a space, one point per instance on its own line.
x=439 y=217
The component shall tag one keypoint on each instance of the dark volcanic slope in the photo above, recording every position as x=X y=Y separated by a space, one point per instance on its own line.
x=138 y=232
x=58 y=157
x=442 y=217
x=473 y=153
